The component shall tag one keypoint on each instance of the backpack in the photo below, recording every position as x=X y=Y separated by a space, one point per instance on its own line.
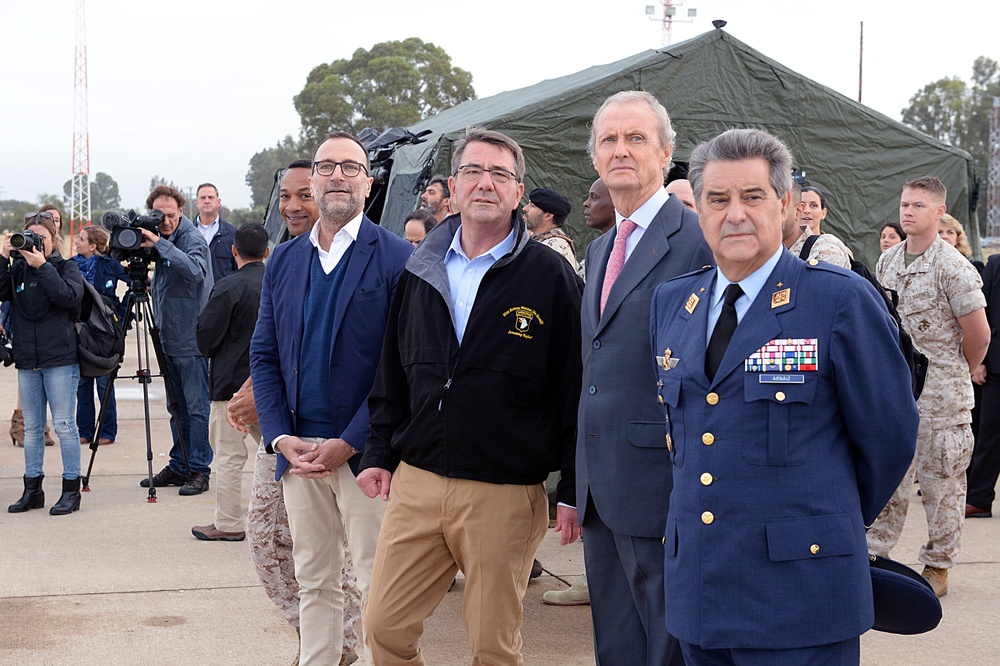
x=100 y=335
x=915 y=359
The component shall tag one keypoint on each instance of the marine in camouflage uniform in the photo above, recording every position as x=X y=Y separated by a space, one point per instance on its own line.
x=934 y=291
x=561 y=243
x=826 y=248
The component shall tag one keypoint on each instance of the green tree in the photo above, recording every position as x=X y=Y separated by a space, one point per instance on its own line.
x=395 y=83
x=264 y=163
x=12 y=213
x=104 y=194
x=958 y=112
x=240 y=216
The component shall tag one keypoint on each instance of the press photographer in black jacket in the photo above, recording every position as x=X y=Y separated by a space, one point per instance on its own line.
x=45 y=292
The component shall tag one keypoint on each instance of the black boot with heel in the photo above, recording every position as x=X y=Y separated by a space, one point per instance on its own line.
x=69 y=501
x=33 y=497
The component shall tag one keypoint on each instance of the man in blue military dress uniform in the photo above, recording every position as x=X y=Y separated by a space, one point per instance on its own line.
x=771 y=371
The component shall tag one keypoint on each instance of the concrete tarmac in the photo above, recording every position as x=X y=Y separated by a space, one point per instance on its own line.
x=123 y=581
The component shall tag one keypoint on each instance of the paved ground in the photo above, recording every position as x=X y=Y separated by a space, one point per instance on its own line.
x=123 y=581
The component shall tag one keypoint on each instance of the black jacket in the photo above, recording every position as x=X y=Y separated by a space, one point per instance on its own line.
x=45 y=302
x=991 y=289
x=502 y=407
x=225 y=327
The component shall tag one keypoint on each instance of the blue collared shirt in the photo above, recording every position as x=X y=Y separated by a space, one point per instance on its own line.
x=465 y=276
x=207 y=231
x=751 y=285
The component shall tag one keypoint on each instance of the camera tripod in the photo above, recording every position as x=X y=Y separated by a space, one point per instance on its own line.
x=141 y=313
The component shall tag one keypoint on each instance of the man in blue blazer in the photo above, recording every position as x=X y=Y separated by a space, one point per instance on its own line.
x=789 y=420
x=622 y=469
x=313 y=356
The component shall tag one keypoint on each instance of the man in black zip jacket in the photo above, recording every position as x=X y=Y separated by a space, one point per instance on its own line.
x=474 y=403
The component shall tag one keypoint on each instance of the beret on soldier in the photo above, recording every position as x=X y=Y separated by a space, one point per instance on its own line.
x=550 y=201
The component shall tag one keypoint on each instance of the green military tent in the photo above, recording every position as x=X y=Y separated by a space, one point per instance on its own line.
x=857 y=156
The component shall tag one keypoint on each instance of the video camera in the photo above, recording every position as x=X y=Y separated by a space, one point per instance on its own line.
x=126 y=233
x=126 y=242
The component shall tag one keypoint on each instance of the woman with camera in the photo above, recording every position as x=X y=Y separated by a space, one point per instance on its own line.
x=45 y=290
x=104 y=273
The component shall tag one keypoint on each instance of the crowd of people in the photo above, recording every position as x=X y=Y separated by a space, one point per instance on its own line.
x=691 y=396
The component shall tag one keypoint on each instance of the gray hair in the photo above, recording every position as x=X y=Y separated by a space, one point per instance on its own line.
x=736 y=145
x=494 y=138
x=665 y=130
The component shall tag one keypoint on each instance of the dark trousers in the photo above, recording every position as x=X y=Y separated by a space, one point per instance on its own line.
x=189 y=379
x=985 y=466
x=625 y=576
x=86 y=415
x=845 y=653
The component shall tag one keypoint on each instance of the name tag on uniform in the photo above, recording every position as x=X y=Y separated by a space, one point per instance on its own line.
x=784 y=355
x=769 y=378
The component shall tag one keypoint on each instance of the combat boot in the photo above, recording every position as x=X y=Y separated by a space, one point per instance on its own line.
x=938 y=578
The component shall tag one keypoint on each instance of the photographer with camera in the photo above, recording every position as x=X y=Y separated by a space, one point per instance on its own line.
x=100 y=270
x=182 y=281
x=45 y=292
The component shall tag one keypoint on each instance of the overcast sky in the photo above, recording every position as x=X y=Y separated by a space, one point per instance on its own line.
x=191 y=90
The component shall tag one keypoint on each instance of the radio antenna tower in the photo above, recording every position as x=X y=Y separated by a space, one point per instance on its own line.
x=80 y=194
x=993 y=174
x=669 y=17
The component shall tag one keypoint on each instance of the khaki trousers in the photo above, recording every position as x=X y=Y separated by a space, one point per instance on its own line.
x=271 y=550
x=230 y=447
x=320 y=513
x=435 y=526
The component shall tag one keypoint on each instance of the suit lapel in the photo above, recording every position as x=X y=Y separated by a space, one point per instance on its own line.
x=651 y=249
x=691 y=346
x=595 y=277
x=364 y=247
x=297 y=283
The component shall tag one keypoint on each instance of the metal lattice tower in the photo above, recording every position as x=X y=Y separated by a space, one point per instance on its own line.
x=993 y=174
x=670 y=16
x=80 y=193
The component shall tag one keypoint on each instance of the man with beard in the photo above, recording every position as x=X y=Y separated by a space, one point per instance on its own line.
x=313 y=355
x=267 y=520
x=437 y=198
x=544 y=215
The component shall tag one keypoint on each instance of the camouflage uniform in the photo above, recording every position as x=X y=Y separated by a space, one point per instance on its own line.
x=826 y=248
x=934 y=291
x=561 y=243
x=271 y=550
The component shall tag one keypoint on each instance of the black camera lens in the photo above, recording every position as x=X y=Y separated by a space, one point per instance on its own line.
x=128 y=238
x=25 y=240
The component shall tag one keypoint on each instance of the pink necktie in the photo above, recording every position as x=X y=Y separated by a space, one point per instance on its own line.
x=617 y=260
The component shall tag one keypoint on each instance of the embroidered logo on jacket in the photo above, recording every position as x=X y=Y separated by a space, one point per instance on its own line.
x=523 y=318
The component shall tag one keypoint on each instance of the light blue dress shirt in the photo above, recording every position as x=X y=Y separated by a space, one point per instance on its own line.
x=751 y=285
x=465 y=276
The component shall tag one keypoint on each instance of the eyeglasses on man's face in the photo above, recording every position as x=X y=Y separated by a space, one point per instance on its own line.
x=473 y=172
x=349 y=169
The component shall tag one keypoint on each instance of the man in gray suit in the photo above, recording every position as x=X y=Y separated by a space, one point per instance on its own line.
x=623 y=467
